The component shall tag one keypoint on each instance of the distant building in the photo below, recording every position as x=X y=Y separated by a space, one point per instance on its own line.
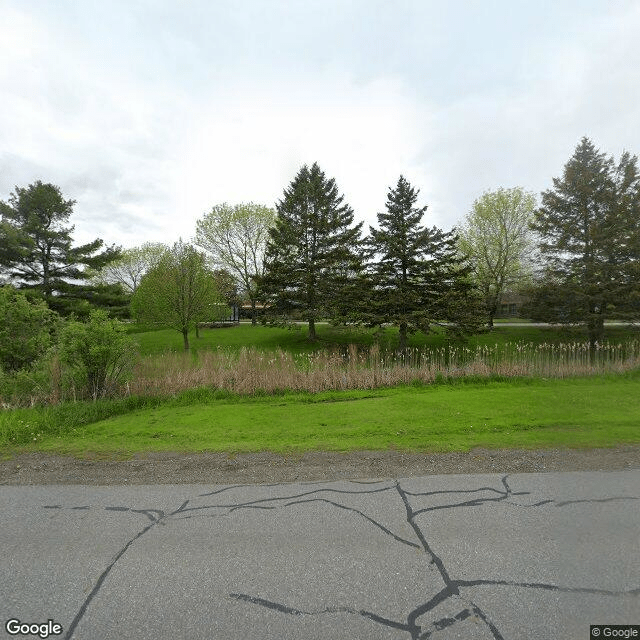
x=511 y=306
x=245 y=310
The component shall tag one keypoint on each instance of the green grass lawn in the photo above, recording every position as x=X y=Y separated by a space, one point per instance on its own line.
x=584 y=412
x=295 y=340
x=581 y=412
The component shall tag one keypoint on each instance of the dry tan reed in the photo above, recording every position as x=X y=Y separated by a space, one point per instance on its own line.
x=250 y=371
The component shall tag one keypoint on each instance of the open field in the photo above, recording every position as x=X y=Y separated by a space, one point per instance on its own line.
x=581 y=412
x=250 y=370
x=253 y=371
x=268 y=389
x=295 y=340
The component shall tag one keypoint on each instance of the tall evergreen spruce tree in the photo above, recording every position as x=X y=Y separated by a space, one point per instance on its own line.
x=312 y=250
x=589 y=225
x=416 y=279
x=38 y=251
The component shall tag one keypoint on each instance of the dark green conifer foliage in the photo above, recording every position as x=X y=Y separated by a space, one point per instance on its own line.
x=589 y=225
x=312 y=252
x=416 y=279
x=38 y=249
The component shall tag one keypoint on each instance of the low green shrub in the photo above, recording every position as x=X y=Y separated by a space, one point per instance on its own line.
x=25 y=330
x=97 y=356
x=26 y=386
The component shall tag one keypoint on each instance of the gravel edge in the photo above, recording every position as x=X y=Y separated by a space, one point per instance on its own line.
x=261 y=468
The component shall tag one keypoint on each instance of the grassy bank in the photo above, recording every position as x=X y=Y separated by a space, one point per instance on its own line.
x=580 y=412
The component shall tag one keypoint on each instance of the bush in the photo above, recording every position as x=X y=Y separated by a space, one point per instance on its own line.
x=26 y=387
x=25 y=330
x=96 y=356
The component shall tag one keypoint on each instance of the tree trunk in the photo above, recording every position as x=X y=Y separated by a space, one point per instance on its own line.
x=185 y=336
x=492 y=309
x=46 y=288
x=253 y=311
x=197 y=330
x=312 y=330
x=595 y=328
x=402 y=342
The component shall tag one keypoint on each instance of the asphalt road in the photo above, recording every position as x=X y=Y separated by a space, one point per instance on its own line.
x=538 y=556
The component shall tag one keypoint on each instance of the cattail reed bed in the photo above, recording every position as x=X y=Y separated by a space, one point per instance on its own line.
x=250 y=370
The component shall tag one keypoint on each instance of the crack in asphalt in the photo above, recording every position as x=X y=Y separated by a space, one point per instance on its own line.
x=451 y=590
x=276 y=498
x=452 y=587
x=545 y=586
x=438 y=625
x=300 y=612
x=354 y=510
x=96 y=587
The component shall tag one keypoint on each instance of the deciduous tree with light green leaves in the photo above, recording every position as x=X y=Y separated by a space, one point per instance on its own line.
x=497 y=240
x=128 y=269
x=234 y=237
x=178 y=292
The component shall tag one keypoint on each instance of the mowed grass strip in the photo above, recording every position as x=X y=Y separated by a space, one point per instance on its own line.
x=295 y=340
x=584 y=412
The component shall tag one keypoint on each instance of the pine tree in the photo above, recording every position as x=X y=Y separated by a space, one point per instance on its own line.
x=39 y=253
x=312 y=251
x=416 y=278
x=589 y=224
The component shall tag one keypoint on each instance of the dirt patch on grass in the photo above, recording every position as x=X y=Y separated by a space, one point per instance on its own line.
x=253 y=468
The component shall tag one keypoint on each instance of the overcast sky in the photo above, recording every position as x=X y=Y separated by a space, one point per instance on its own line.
x=147 y=112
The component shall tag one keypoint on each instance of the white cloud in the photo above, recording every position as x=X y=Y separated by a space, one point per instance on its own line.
x=249 y=143
x=147 y=114
x=522 y=135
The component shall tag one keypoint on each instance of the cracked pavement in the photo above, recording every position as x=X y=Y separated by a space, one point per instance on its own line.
x=458 y=556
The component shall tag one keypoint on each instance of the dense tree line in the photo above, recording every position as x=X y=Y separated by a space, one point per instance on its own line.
x=319 y=266
x=576 y=257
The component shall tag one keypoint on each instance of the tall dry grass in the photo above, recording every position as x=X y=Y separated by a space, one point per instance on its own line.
x=252 y=371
